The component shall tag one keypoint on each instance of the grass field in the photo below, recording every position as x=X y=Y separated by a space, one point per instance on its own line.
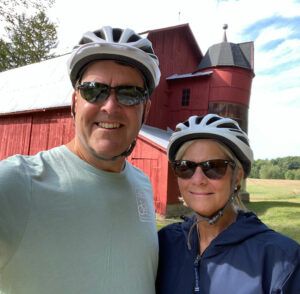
x=276 y=202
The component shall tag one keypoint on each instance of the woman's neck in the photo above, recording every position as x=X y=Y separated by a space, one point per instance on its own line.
x=207 y=232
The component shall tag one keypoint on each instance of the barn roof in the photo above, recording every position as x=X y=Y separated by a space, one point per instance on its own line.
x=183 y=30
x=36 y=86
x=156 y=135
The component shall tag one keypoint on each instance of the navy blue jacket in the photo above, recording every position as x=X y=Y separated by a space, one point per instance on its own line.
x=246 y=258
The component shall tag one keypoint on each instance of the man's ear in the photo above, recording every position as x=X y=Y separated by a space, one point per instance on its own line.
x=73 y=104
x=146 y=110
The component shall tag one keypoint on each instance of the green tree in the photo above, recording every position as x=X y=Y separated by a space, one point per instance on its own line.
x=293 y=174
x=279 y=168
x=270 y=171
x=30 y=40
x=8 y=8
x=297 y=174
x=256 y=167
x=289 y=175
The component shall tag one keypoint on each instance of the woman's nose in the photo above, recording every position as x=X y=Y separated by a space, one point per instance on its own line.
x=199 y=176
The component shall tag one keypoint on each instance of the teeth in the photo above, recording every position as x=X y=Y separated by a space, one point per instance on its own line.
x=108 y=125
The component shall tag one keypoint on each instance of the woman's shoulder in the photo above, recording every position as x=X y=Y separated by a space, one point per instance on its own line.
x=171 y=230
x=175 y=231
x=260 y=236
x=274 y=241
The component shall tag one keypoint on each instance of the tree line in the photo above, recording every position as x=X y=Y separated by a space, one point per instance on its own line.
x=280 y=168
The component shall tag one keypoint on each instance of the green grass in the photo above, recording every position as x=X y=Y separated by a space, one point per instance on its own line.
x=276 y=202
x=160 y=223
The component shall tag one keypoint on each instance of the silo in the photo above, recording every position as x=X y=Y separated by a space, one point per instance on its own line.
x=230 y=83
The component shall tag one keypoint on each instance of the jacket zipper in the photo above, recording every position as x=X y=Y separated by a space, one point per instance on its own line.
x=196 y=271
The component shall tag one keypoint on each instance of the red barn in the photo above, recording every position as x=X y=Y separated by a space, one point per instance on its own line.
x=35 y=112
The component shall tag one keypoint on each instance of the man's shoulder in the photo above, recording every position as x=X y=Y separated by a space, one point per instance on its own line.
x=25 y=164
x=13 y=165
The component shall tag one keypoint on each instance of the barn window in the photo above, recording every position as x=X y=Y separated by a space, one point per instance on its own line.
x=185 y=98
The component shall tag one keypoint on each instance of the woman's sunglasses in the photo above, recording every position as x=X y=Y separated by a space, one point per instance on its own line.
x=94 y=92
x=213 y=169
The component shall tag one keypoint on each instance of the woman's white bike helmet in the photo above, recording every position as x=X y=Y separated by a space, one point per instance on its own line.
x=212 y=126
x=115 y=44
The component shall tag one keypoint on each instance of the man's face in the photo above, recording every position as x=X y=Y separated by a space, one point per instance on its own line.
x=106 y=129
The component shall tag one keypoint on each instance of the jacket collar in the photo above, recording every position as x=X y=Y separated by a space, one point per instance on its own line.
x=246 y=226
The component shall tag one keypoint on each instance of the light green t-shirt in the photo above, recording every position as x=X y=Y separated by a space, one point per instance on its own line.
x=67 y=227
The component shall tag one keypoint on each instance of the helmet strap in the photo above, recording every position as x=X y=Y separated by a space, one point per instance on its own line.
x=125 y=153
x=217 y=215
x=233 y=193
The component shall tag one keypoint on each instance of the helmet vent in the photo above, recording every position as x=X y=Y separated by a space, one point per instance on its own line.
x=84 y=40
x=100 y=34
x=133 y=38
x=228 y=126
x=117 y=34
x=236 y=130
x=148 y=50
x=187 y=123
x=243 y=139
x=198 y=120
x=212 y=120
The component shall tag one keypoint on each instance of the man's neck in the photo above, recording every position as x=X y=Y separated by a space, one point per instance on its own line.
x=115 y=166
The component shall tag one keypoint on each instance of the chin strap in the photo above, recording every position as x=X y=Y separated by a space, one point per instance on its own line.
x=123 y=154
x=212 y=219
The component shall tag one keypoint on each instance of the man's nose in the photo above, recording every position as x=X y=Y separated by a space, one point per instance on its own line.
x=111 y=101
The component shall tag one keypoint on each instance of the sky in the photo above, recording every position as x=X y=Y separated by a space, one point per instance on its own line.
x=273 y=25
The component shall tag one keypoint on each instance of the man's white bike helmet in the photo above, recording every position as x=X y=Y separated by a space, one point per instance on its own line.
x=212 y=126
x=115 y=44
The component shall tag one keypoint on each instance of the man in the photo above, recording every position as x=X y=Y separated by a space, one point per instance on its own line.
x=79 y=218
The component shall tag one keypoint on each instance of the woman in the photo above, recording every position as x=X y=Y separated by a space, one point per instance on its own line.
x=222 y=248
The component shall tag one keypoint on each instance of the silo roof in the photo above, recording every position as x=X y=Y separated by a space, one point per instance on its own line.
x=228 y=54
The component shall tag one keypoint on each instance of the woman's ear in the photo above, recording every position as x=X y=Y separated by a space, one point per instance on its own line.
x=239 y=178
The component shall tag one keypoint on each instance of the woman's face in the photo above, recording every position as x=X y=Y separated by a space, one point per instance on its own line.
x=203 y=195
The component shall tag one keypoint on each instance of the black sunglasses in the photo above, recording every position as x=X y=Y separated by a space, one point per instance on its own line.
x=126 y=95
x=213 y=169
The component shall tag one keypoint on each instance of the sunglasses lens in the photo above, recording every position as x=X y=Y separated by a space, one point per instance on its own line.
x=130 y=95
x=215 y=169
x=93 y=92
x=126 y=95
x=184 y=169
